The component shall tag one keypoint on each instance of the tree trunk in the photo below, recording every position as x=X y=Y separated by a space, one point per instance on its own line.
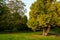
x=47 y=31
x=44 y=31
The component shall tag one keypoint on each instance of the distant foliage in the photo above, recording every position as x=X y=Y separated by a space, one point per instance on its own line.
x=12 y=16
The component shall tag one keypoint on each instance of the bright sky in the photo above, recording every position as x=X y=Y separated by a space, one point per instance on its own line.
x=58 y=0
x=28 y=4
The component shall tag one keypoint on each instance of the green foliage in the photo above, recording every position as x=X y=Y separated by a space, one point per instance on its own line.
x=12 y=18
x=44 y=13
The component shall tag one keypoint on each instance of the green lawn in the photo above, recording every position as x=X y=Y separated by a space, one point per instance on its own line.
x=27 y=36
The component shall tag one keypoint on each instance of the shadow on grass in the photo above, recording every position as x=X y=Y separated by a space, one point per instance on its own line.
x=53 y=33
x=7 y=32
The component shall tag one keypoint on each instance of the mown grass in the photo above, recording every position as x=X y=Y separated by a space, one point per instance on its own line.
x=27 y=36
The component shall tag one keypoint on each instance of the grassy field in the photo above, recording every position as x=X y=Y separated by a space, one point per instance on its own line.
x=27 y=36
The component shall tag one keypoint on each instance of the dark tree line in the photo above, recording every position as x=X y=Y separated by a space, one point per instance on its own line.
x=12 y=16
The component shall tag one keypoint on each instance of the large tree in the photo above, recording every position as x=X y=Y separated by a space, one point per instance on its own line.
x=43 y=15
x=13 y=15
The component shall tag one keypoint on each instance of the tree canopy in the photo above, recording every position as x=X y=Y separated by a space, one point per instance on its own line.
x=44 y=14
x=12 y=16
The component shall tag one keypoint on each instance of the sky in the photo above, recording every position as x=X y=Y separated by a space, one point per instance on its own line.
x=28 y=4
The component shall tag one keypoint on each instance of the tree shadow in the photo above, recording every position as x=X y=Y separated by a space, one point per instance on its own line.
x=54 y=34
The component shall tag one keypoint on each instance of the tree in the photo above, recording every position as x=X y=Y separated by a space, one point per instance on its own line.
x=13 y=15
x=3 y=10
x=17 y=9
x=57 y=7
x=43 y=15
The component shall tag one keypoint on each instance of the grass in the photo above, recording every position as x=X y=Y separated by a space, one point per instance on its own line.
x=27 y=36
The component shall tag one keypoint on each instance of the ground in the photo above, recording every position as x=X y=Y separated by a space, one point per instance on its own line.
x=27 y=36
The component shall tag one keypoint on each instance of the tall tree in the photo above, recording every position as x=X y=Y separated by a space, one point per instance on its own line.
x=17 y=9
x=3 y=14
x=43 y=15
x=14 y=13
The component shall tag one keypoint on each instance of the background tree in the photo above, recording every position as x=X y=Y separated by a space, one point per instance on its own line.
x=43 y=15
x=3 y=13
x=13 y=18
